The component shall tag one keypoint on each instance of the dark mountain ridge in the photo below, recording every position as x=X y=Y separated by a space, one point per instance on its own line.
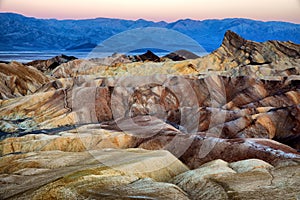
x=28 y=33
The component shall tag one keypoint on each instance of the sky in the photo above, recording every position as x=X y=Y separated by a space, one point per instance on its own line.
x=157 y=10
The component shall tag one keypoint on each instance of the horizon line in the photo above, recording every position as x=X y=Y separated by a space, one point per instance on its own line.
x=149 y=20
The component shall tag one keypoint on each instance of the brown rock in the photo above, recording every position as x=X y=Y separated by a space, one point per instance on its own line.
x=118 y=174
x=225 y=107
x=148 y=56
x=18 y=80
x=195 y=150
x=247 y=179
x=202 y=151
x=50 y=64
x=79 y=67
x=88 y=137
x=198 y=184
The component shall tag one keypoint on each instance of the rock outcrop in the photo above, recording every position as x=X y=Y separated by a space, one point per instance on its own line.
x=272 y=54
x=180 y=55
x=240 y=102
x=235 y=57
x=148 y=56
x=153 y=134
x=18 y=80
x=247 y=179
x=50 y=64
x=245 y=107
x=106 y=174
x=137 y=173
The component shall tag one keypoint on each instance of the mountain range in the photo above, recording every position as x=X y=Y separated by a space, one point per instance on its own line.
x=19 y=32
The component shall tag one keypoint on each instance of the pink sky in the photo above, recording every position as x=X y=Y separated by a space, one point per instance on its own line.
x=157 y=10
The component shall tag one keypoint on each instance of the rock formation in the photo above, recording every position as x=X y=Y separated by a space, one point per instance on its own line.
x=148 y=56
x=247 y=179
x=181 y=55
x=17 y=80
x=137 y=173
x=50 y=64
x=101 y=174
x=252 y=108
x=240 y=102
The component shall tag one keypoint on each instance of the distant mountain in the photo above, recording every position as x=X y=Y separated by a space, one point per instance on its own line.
x=26 y=33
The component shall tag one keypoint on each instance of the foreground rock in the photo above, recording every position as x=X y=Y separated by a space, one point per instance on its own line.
x=106 y=174
x=137 y=173
x=247 y=179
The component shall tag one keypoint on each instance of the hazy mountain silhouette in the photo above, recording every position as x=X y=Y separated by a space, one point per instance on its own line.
x=26 y=33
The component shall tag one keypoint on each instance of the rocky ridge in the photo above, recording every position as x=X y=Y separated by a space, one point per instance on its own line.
x=235 y=57
x=51 y=64
x=18 y=80
x=150 y=175
x=109 y=128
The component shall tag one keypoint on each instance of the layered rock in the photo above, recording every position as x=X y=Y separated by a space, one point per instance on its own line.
x=88 y=137
x=235 y=57
x=50 y=64
x=236 y=52
x=79 y=67
x=137 y=173
x=18 y=80
x=107 y=174
x=239 y=102
x=224 y=107
x=247 y=179
x=231 y=105
x=180 y=55
x=148 y=56
x=153 y=134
